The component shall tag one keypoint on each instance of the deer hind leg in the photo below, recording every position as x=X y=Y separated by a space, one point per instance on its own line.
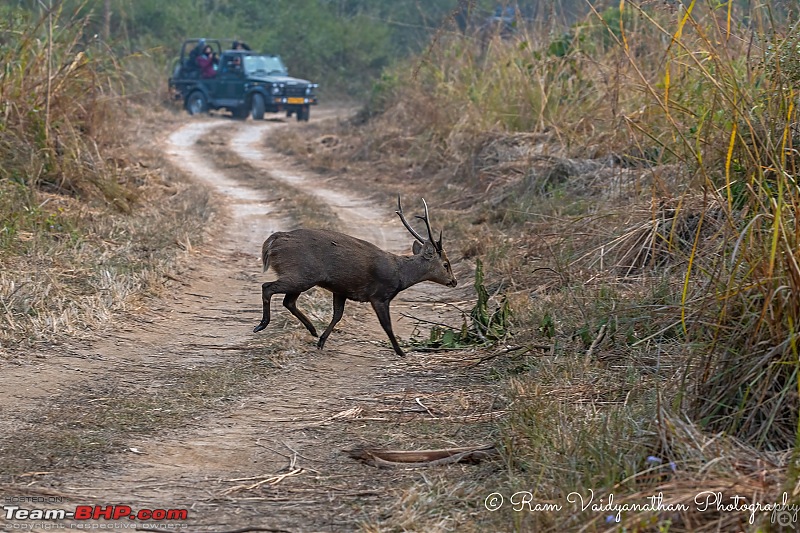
x=382 y=310
x=267 y=290
x=279 y=286
x=338 y=310
x=289 y=302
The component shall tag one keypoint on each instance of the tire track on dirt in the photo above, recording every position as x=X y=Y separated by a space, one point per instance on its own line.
x=358 y=216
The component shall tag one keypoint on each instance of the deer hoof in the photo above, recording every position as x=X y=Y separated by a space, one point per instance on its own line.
x=259 y=327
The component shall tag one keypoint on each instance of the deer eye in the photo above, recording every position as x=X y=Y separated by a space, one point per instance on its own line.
x=447 y=265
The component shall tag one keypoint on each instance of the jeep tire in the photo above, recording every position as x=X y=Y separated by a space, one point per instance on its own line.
x=241 y=113
x=196 y=103
x=303 y=113
x=258 y=107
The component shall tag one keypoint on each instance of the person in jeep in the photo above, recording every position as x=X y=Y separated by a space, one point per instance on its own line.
x=207 y=63
x=191 y=62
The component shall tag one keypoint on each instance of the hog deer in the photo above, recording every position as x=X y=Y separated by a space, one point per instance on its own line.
x=352 y=269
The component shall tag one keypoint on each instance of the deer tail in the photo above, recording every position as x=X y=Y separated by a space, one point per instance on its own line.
x=265 y=250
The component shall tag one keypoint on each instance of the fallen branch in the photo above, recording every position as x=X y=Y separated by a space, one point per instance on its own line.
x=423 y=406
x=421 y=458
x=600 y=336
x=509 y=349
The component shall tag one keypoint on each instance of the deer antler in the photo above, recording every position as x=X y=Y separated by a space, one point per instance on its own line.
x=425 y=218
x=407 y=225
x=427 y=221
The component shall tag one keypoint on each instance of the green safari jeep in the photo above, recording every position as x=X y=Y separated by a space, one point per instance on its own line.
x=245 y=83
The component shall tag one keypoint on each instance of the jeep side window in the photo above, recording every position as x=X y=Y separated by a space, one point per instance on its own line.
x=231 y=65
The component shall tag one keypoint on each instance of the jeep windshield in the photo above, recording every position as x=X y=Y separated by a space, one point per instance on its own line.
x=263 y=66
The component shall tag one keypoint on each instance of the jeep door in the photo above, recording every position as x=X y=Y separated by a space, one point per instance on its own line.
x=231 y=82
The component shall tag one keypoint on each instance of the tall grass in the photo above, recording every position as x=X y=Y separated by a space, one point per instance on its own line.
x=76 y=243
x=741 y=295
x=59 y=97
x=695 y=88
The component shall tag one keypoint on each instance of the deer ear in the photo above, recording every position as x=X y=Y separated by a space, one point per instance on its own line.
x=416 y=247
x=429 y=250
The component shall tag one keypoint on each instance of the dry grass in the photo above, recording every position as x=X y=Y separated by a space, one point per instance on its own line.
x=111 y=263
x=91 y=222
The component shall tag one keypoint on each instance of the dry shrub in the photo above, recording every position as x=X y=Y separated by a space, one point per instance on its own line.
x=60 y=110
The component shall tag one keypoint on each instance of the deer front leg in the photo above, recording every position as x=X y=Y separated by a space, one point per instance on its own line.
x=266 y=296
x=338 y=310
x=382 y=310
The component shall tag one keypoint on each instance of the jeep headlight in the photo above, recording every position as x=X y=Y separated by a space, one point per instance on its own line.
x=276 y=90
x=310 y=89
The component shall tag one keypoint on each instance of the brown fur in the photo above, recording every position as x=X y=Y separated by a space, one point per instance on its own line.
x=352 y=269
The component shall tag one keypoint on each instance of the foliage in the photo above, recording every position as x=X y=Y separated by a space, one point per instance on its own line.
x=342 y=44
x=480 y=328
x=782 y=58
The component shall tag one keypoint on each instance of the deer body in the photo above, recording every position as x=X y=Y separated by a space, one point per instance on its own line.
x=352 y=269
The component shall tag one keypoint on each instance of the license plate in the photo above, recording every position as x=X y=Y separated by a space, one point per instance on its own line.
x=295 y=101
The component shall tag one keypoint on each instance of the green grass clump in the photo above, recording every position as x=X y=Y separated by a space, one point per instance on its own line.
x=481 y=327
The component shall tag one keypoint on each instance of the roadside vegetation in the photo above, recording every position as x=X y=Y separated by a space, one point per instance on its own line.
x=342 y=45
x=91 y=221
x=630 y=185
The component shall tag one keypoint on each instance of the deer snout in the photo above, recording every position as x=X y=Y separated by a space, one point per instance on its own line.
x=452 y=283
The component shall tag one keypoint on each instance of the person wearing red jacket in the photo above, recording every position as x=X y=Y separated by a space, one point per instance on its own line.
x=207 y=62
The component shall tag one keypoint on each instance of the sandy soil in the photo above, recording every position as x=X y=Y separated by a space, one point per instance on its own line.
x=268 y=454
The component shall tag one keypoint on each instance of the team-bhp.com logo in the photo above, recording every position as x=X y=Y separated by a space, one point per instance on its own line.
x=94 y=512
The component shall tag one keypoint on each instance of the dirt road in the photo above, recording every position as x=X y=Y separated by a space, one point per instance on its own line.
x=185 y=408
